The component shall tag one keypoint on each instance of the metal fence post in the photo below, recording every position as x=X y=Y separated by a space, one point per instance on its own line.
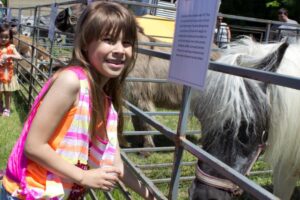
x=181 y=129
x=267 y=37
x=30 y=96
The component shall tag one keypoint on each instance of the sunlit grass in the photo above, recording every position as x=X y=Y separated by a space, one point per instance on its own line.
x=10 y=128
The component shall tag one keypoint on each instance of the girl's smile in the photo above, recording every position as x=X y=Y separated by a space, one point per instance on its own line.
x=114 y=63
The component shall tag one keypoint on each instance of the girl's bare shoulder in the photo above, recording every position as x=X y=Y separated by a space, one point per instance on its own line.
x=67 y=80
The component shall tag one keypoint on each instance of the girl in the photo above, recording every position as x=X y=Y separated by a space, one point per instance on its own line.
x=8 y=82
x=70 y=137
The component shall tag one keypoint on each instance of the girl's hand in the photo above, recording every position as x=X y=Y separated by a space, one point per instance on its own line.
x=2 y=61
x=5 y=57
x=102 y=178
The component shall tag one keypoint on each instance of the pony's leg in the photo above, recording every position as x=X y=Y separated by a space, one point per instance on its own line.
x=284 y=183
x=140 y=125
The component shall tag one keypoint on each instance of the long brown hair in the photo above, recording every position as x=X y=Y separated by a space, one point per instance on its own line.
x=98 y=20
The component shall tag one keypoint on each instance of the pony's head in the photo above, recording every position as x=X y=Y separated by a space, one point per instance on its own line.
x=234 y=116
x=66 y=19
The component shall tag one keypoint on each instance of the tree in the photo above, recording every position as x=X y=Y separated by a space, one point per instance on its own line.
x=4 y=2
x=264 y=9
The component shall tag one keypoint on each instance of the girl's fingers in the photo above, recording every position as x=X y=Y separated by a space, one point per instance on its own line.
x=111 y=170
x=108 y=186
x=111 y=183
x=105 y=189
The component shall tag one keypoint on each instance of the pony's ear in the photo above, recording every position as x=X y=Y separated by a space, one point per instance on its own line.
x=272 y=61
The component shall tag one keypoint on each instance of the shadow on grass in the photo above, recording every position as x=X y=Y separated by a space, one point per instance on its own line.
x=21 y=107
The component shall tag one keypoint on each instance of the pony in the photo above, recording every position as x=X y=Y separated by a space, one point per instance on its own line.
x=240 y=116
x=237 y=115
x=23 y=44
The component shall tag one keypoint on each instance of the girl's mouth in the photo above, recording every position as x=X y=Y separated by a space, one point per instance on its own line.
x=115 y=62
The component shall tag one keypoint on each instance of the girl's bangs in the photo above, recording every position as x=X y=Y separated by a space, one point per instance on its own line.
x=114 y=25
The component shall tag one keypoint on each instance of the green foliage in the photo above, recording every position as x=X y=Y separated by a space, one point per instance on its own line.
x=4 y=2
x=278 y=3
x=273 y=4
x=262 y=9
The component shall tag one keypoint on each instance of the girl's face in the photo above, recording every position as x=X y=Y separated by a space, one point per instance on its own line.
x=4 y=38
x=109 y=56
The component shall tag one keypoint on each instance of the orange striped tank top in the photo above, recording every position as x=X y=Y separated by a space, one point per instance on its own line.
x=71 y=141
x=7 y=68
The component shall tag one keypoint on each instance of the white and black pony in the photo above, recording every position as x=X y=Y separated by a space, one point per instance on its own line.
x=239 y=116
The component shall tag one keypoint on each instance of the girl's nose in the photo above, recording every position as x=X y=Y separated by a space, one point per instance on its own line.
x=119 y=47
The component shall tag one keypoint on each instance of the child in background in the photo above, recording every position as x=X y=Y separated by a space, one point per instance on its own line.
x=69 y=142
x=8 y=81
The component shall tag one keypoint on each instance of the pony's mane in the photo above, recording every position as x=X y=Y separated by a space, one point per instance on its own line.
x=246 y=52
x=228 y=101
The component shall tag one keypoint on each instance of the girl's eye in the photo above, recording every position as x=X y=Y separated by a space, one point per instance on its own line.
x=127 y=43
x=108 y=40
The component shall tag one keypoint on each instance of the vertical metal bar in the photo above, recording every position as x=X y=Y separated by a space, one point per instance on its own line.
x=124 y=190
x=181 y=129
x=51 y=53
x=108 y=196
x=31 y=84
x=92 y=194
x=19 y=27
x=37 y=23
x=267 y=38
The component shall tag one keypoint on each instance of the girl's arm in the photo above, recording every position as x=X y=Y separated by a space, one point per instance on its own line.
x=130 y=180
x=16 y=55
x=60 y=98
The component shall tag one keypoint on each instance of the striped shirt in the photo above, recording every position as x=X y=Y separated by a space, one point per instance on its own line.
x=72 y=141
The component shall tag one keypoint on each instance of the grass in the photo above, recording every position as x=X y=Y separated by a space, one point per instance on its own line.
x=10 y=128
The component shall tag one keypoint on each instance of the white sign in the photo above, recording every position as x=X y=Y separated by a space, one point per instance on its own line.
x=53 y=14
x=195 y=24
